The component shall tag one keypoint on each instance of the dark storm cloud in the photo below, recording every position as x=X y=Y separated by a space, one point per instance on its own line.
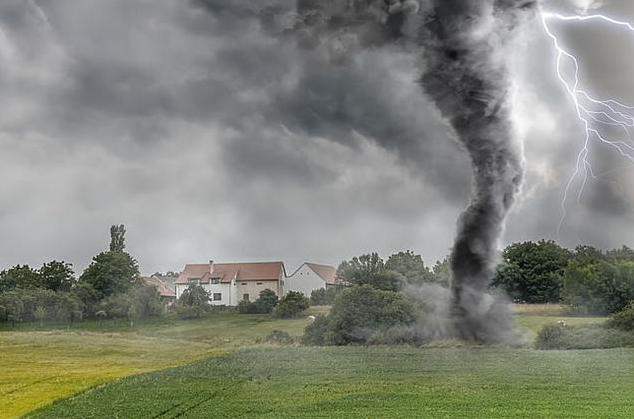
x=207 y=130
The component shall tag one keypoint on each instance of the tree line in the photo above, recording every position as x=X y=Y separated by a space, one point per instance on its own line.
x=106 y=289
x=369 y=309
x=587 y=279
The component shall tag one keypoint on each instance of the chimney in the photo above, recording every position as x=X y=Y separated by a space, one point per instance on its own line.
x=211 y=266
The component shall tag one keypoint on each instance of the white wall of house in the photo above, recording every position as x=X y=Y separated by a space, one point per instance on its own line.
x=219 y=294
x=225 y=293
x=254 y=287
x=304 y=280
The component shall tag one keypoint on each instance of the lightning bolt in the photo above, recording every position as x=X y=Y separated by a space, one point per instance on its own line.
x=595 y=115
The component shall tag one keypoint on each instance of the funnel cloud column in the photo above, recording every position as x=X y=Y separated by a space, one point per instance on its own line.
x=467 y=77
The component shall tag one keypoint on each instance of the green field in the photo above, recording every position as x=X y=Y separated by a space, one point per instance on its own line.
x=44 y=364
x=40 y=365
x=376 y=382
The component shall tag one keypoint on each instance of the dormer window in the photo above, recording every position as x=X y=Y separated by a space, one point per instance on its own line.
x=193 y=281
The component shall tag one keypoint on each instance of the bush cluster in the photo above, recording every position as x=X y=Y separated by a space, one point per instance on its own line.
x=624 y=319
x=291 y=305
x=358 y=315
x=193 y=302
x=324 y=296
x=587 y=279
x=266 y=302
x=558 y=336
x=141 y=301
x=39 y=305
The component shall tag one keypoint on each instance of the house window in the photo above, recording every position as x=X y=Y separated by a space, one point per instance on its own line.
x=245 y=297
x=258 y=283
x=193 y=280
x=215 y=281
x=244 y=283
x=217 y=296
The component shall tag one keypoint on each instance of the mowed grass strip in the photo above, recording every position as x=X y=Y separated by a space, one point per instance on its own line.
x=40 y=366
x=378 y=382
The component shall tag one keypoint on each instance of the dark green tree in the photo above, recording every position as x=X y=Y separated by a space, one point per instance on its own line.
x=19 y=276
x=588 y=254
x=623 y=254
x=598 y=287
x=324 y=296
x=368 y=269
x=266 y=302
x=410 y=267
x=12 y=306
x=110 y=273
x=57 y=276
x=87 y=297
x=193 y=302
x=442 y=272
x=147 y=301
x=117 y=238
x=194 y=296
x=530 y=272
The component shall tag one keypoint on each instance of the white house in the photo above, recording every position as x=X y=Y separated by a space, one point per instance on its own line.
x=310 y=277
x=229 y=283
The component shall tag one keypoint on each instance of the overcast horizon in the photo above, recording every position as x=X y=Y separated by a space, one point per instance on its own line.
x=211 y=134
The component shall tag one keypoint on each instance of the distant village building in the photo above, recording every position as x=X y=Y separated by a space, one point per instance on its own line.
x=310 y=277
x=230 y=283
x=167 y=293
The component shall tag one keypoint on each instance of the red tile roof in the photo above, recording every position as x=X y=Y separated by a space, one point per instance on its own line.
x=326 y=272
x=163 y=289
x=226 y=272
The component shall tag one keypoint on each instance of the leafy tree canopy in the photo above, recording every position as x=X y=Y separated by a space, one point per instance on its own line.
x=194 y=296
x=111 y=273
x=531 y=271
x=410 y=267
x=368 y=269
x=57 y=276
x=20 y=276
x=117 y=238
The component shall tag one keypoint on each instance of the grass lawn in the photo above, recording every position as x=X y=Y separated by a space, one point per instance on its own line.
x=376 y=382
x=39 y=365
x=43 y=364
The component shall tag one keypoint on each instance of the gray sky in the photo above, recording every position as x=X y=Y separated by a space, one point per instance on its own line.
x=207 y=131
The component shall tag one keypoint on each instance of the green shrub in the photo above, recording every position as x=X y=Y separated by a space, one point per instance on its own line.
x=624 y=319
x=315 y=333
x=147 y=301
x=39 y=304
x=265 y=303
x=291 y=305
x=246 y=307
x=598 y=286
x=358 y=314
x=189 y=312
x=194 y=295
x=549 y=336
x=279 y=336
x=324 y=296
x=582 y=337
x=116 y=306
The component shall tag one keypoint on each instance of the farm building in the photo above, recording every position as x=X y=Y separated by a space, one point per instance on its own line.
x=310 y=277
x=229 y=283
